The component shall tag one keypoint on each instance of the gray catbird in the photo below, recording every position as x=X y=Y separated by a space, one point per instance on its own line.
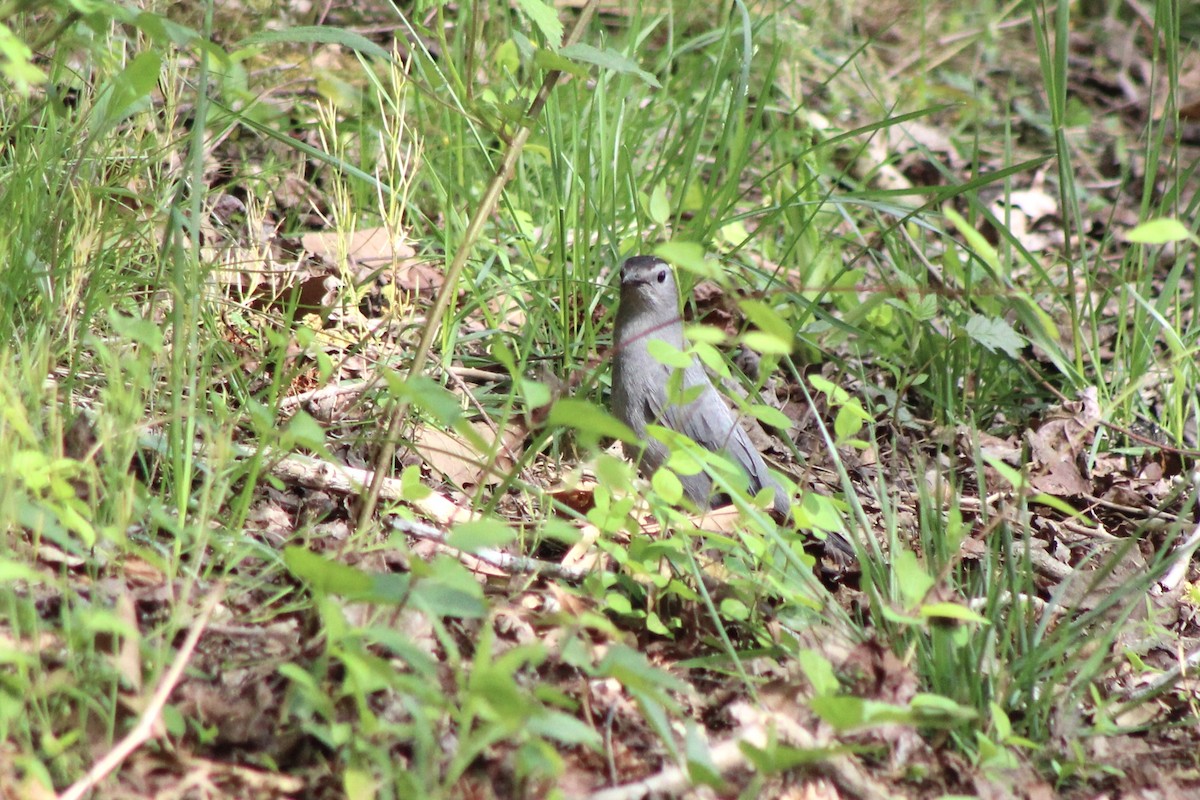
x=649 y=309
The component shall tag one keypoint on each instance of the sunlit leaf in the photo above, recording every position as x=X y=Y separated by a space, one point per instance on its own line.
x=545 y=17
x=995 y=334
x=1158 y=231
x=688 y=256
x=584 y=416
x=479 y=534
x=610 y=60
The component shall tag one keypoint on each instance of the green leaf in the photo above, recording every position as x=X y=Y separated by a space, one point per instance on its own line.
x=936 y=709
x=550 y=60
x=995 y=334
x=911 y=578
x=564 y=728
x=667 y=485
x=819 y=672
x=610 y=60
x=975 y=240
x=426 y=394
x=701 y=768
x=545 y=18
x=305 y=431
x=125 y=92
x=1061 y=506
x=479 y=534
x=655 y=625
x=1036 y=319
x=770 y=416
x=13 y=571
x=137 y=329
x=536 y=393
x=779 y=758
x=891 y=615
x=1000 y=721
x=848 y=422
x=952 y=611
x=689 y=256
x=880 y=315
x=411 y=488
x=836 y=394
x=325 y=576
x=668 y=354
x=1166 y=328
x=681 y=461
x=1015 y=478
x=847 y=713
x=99 y=620
x=818 y=512
x=506 y=58
x=618 y=603
x=16 y=61
x=637 y=674
x=734 y=233
x=711 y=357
x=498 y=350
x=587 y=418
x=659 y=207
x=318 y=34
x=560 y=530
x=689 y=458
x=404 y=648
x=449 y=591
x=766 y=319
x=734 y=609
x=704 y=334
x=992 y=756
x=1158 y=231
x=767 y=343
x=678 y=393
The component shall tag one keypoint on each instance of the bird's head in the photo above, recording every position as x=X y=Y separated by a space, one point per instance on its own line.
x=648 y=283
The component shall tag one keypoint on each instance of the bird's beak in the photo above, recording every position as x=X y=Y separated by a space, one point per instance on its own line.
x=633 y=277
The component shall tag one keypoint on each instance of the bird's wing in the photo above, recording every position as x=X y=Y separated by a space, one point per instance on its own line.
x=708 y=422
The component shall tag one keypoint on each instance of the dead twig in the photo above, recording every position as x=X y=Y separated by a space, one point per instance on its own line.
x=150 y=717
x=493 y=558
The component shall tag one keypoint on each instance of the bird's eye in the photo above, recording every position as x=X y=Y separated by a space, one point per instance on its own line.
x=662 y=275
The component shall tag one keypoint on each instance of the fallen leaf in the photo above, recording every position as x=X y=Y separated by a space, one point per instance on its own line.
x=460 y=462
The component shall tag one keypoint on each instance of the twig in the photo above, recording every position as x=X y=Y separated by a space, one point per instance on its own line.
x=145 y=726
x=494 y=558
x=758 y=728
x=324 y=393
x=1182 y=558
x=1159 y=684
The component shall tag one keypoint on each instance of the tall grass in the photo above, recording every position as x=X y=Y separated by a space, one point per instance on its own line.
x=746 y=133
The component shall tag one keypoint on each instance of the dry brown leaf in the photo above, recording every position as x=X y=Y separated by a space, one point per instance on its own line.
x=1022 y=210
x=583 y=554
x=128 y=658
x=1061 y=478
x=141 y=573
x=1006 y=450
x=370 y=251
x=1057 y=446
x=718 y=520
x=580 y=497
x=460 y=462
